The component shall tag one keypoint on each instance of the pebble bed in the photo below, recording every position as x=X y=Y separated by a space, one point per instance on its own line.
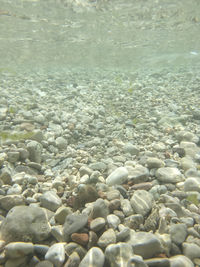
x=100 y=169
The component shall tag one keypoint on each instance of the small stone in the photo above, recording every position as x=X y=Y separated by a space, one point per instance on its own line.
x=158 y=262
x=100 y=209
x=35 y=151
x=61 y=214
x=56 y=254
x=119 y=254
x=139 y=174
x=192 y=184
x=10 y=201
x=180 y=261
x=126 y=207
x=13 y=156
x=155 y=163
x=118 y=176
x=50 y=200
x=73 y=260
x=15 y=189
x=113 y=221
x=169 y=175
x=191 y=149
x=80 y=238
x=178 y=233
x=142 y=202
x=134 y=221
x=145 y=244
x=94 y=258
x=74 y=223
x=61 y=143
x=97 y=224
x=108 y=237
x=191 y=250
x=44 y=264
x=130 y=148
x=18 y=249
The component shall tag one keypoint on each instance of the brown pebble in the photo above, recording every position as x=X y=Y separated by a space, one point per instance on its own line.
x=142 y=186
x=80 y=238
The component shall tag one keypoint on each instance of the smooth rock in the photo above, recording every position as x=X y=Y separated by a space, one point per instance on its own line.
x=18 y=249
x=155 y=163
x=50 y=200
x=158 y=262
x=26 y=224
x=142 y=202
x=180 y=261
x=191 y=250
x=126 y=207
x=94 y=257
x=138 y=174
x=56 y=254
x=145 y=244
x=74 y=223
x=118 y=254
x=113 y=221
x=99 y=209
x=108 y=237
x=10 y=201
x=97 y=224
x=61 y=214
x=118 y=176
x=169 y=175
x=80 y=238
x=35 y=151
x=192 y=184
x=178 y=233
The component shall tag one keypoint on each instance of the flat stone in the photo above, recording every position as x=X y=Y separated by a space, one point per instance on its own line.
x=119 y=254
x=94 y=257
x=50 y=200
x=74 y=223
x=56 y=254
x=108 y=237
x=118 y=176
x=178 y=233
x=145 y=244
x=142 y=202
x=25 y=224
x=169 y=175
x=18 y=249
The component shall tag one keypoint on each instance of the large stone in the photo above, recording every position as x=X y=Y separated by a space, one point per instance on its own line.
x=94 y=258
x=26 y=224
x=192 y=184
x=169 y=175
x=191 y=250
x=119 y=254
x=145 y=244
x=10 y=201
x=142 y=202
x=118 y=176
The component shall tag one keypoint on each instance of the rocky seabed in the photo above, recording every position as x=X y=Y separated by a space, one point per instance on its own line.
x=100 y=169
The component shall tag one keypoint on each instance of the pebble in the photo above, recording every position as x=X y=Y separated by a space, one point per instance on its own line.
x=18 y=249
x=97 y=224
x=169 y=175
x=94 y=257
x=118 y=254
x=56 y=254
x=118 y=176
x=50 y=200
x=108 y=237
x=74 y=223
x=178 y=233
x=142 y=202
x=113 y=221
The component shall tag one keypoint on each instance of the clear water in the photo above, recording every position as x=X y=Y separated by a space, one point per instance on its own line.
x=46 y=35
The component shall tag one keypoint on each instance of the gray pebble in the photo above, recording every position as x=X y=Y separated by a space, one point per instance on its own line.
x=142 y=202
x=18 y=249
x=169 y=175
x=118 y=176
x=178 y=233
x=113 y=221
x=97 y=224
x=108 y=237
x=56 y=254
x=50 y=200
x=94 y=257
